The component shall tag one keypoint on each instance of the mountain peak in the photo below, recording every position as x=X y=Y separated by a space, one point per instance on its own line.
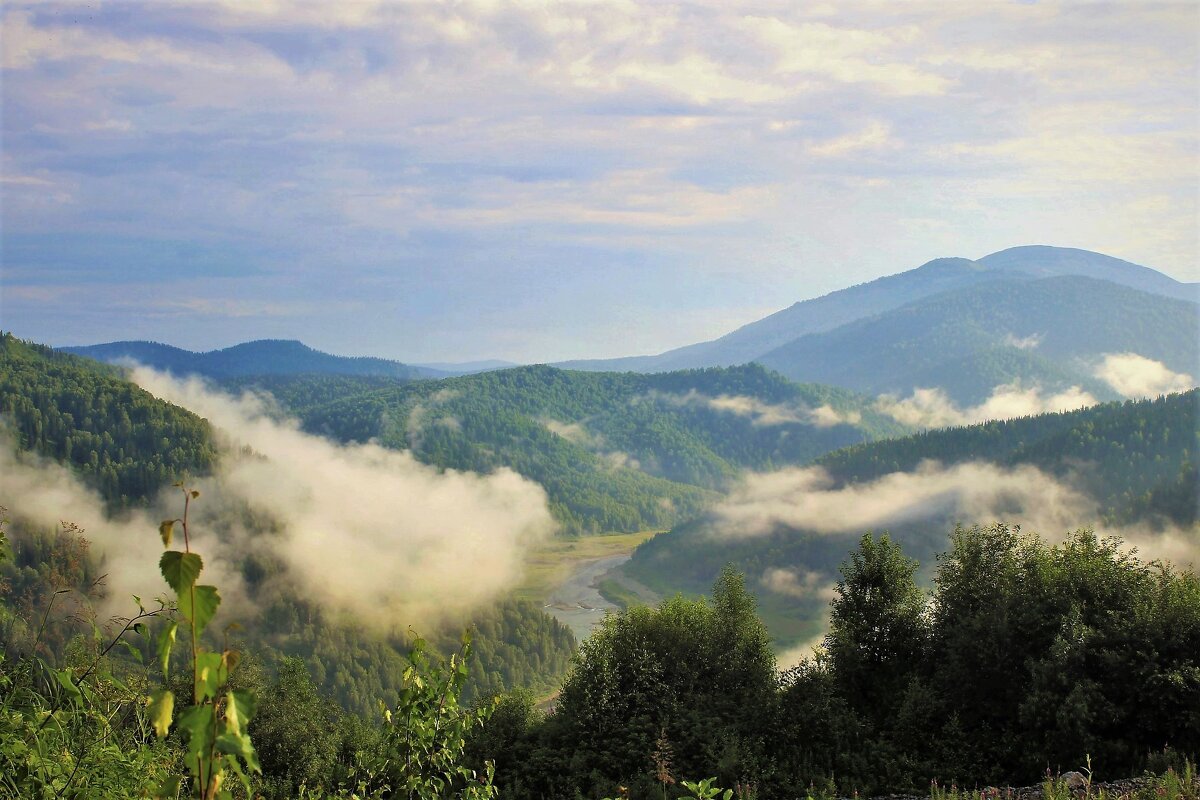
x=1044 y=261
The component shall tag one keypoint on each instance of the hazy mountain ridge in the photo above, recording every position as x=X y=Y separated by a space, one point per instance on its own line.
x=260 y=357
x=829 y=312
x=1061 y=325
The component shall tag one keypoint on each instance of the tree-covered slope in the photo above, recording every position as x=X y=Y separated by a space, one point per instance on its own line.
x=263 y=357
x=129 y=445
x=1137 y=460
x=1050 y=331
x=121 y=439
x=615 y=451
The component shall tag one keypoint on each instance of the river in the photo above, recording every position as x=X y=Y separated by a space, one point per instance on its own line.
x=577 y=603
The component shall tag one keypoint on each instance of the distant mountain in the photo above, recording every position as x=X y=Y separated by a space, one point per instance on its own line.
x=262 y=357
x=1041 y=261
x=468 y=367
x=833 y=310
x=1049 y=331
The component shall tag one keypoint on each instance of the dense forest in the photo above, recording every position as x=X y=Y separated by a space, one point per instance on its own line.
x=128 y=445
x=1024 y=657
x=1136 y=458
x=615 y=451
x=1024 y=660
x=124 y=441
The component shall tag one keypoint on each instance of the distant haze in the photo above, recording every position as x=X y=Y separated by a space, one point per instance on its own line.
x=467 y=181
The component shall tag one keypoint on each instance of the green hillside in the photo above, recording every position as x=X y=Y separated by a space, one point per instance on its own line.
x=1071 y=322
x=121 y=439
x=1138 y=459
x=615 y=451
x=128 y=445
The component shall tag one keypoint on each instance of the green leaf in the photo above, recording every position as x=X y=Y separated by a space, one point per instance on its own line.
x=162 y=706
x=199 y=729
x=239 y=745
x=180 y=569
x=65 y=680
x=240 y=706
x=166 y=530
x=133 y=651
x=166 y=640
x=169 y=788
x=198 y=605
x=211 y=674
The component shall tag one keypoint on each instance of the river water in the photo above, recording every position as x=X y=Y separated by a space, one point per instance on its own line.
x=577 y=603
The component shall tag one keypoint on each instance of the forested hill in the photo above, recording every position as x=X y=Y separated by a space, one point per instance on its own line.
x=262 y=357
x=615 y=451
x=129 y=445
x=1049 y=332
x=1138 y=457
x=121 y=439
x=1138 y=460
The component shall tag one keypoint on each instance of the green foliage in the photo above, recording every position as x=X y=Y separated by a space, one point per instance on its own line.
x=426 y=732
x=80 y=730
x=634 y=452
x=121 y=439
x=215 y=726
x=683 y=674
x=1026 y=654
x=877 y=627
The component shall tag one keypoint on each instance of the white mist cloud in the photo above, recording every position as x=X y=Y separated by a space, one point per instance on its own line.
x=760 y=413
x=1029 y=342
x=807 y=497
x=578 y=434
x=801 y=584
x=369 y=533
x=572 y=432
x=932 y=408
x=974 y=492
x=45 y=493
x=1135 y=376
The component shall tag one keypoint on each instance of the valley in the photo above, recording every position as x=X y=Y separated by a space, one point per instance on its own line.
x=599 y=400
x=573 y=503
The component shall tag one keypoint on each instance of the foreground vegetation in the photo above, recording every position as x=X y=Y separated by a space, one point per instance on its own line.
x=1027 y=657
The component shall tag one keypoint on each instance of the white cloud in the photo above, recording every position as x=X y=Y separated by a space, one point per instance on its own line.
x=370 y=533
x=803 y=584
x=1135 y=376
x=761 y=413
x=932 y=408
x=808 y=498
x=875 y=136
x=845 y=55
x=1029 y=342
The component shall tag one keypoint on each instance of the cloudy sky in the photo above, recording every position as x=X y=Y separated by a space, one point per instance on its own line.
x=469 y=180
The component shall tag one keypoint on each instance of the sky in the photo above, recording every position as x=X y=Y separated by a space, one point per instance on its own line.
x=533 y=182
